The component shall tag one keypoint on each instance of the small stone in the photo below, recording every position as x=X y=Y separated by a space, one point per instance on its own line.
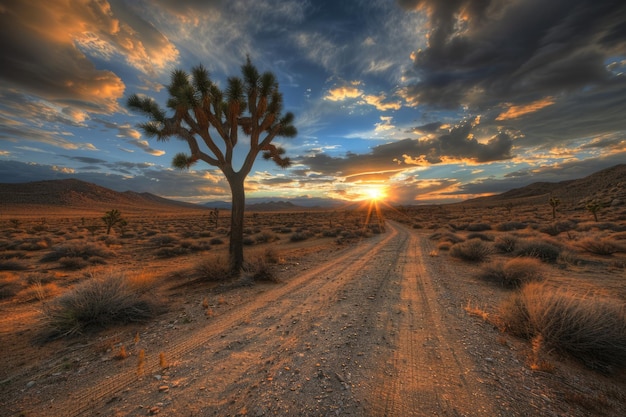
x=164 y=388
x=30 y=384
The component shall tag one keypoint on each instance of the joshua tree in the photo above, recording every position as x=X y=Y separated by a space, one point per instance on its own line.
x=554 y=203
x=251 y=105
x=594 y=207
x=214 y=217
x=111 y=218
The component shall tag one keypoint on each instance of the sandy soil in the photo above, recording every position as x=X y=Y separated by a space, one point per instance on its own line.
x=376 y=328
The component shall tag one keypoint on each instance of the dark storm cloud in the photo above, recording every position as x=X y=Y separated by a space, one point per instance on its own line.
x=458 y=144
x=485 y=52
x=583 y=114
x=85 y=159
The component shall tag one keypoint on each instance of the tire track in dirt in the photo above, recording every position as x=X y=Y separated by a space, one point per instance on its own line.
x=429 y=373
x=288 y=297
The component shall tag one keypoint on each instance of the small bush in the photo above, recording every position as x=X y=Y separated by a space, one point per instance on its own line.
x=98 y=303
x=216 y=241
x=478 y=227
x=540 y=249
x=602 y=246
x=589 y=328
x=510 y=226
x=171 y=252
x=34 y=244
x=474 y=250
x=163 y=240
x=513 y=273
x=506 y=243
x=10 y=265
x=76 y=250
x=213 y=270
x=70 y=262
x=248 y=241
x=555 y=228
x=299 y=236
x=481 y=236
x=260 y=270
x=10 y=285
x=266 y=237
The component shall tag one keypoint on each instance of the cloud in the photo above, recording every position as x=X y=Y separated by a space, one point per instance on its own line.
x=351 y=92
x=514 y=112
x=66 y=38
x=343 y=93
x=487 y=52
x=456 y=145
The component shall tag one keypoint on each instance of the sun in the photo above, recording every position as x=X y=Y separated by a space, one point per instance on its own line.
x=375 y=193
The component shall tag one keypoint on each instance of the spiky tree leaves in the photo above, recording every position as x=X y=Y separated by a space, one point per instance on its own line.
x=111 y=218
x=210 y=120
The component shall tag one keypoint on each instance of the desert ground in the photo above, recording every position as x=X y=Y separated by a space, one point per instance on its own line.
x=332 y=317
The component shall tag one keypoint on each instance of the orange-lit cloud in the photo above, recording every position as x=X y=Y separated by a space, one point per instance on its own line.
x=343 y=93
x=514 y=112
x=378 y=102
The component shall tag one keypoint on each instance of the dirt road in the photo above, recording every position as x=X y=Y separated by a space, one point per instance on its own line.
x=374 y=330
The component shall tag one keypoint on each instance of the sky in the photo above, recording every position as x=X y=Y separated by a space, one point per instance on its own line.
x=411 y=101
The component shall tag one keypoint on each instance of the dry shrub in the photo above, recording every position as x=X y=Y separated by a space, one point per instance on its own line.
x=10 y=285
x=77 y=250
x=266 y=237
x=213 y=270
x=98 y=303
x=539 y=249
x=514 y=272
x=478 y=227
x=601 y=246
x=260 y=270
x=510 y=226
x=271 y=256
x=506 y=243
x=474 y=250
x=481 y=236
x=11 y=265
x=590 y=328
x=299 y=236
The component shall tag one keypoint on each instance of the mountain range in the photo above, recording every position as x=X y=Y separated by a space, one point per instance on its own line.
x=607 y=187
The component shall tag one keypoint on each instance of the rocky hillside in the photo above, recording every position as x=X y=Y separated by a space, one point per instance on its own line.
x=77 y=194
x=607 y=187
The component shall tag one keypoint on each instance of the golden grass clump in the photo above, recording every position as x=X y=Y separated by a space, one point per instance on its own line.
x=97 y=303
x=514 y=272
x=474 y=250
x=213 y=270
x=588 y=327
x=601 y=246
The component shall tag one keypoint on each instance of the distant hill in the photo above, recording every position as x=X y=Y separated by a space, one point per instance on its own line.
x=265 y=204
x=607 y=187
x=75 y=194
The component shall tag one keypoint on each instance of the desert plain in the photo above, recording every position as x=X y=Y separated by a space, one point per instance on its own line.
x=512 y=305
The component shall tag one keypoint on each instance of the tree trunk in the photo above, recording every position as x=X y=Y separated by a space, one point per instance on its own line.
x=235 y=249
